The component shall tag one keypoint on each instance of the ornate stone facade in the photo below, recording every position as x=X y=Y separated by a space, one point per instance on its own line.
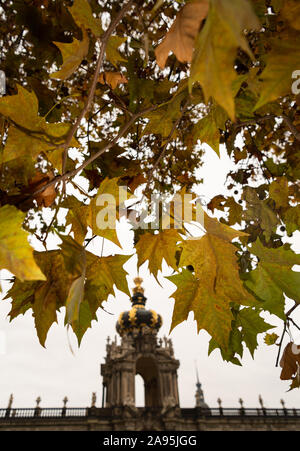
x=142 y=352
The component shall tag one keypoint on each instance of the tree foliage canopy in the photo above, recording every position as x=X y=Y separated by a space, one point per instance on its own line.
x=131 y=93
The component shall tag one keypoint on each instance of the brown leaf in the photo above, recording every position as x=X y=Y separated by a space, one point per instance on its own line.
x=112 y=78
x=181 y=36
x=290 y=361
x=46 y=197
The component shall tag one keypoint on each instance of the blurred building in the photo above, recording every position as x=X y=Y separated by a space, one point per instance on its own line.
x=141 y=352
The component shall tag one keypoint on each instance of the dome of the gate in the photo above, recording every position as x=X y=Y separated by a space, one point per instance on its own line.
x=138 y=316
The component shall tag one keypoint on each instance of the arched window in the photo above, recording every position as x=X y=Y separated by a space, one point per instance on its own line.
x=139 y=391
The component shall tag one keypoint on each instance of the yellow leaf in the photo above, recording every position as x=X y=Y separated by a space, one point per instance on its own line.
x=157 y=247
x=83 y=16
x=104 y=209
x=216 y=283
x=216 y=228
x=291 y=12
x=181 y=36
x=16 y=255
x=210 y=312
x=72 y=54
x=112 y=53
x=22 y=108
x=215 y=263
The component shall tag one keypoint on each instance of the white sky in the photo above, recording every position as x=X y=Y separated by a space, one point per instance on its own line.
x=28 y=370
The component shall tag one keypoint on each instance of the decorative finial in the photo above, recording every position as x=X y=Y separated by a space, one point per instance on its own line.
x=261 y=402
x=219 y=401
x=138 y=285
x=65 y=400
x=282 y=403
x=10 y=401
x=198 y=385
x=38 y=401
x=241 y=402
x=94 y=399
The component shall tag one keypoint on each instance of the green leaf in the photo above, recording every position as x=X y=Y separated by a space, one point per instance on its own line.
x=274 y=277
x=216 y=46
x=252 y=324
x=16 y=255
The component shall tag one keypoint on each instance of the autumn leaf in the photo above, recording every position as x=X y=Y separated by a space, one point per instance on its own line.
x=290 y=12
x=80 y=284
x=44 y=297
x=72 y=55
x=104 y=209
x=208 y=128
x=181 y=36
x=215 y=284
x=270 y=339
x=83 y=16
x=290 y=361
x=162 y=119
x=252 y=324
x=34 y=135
x=15 y=251
x=210 y=312
x=274 y=277
x=216 y=46
x=279 y=191
x=281 y=62
x=46 y=197
x=21 y=108
x=112 y=78
x=112 y=53
x=247 y=324
x=292 y=219
x=156 y=247
x=258 y=211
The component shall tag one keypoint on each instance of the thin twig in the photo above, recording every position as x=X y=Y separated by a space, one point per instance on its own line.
x=294 y=324
x=285 y=119
x=280 y=344
x=287 y=314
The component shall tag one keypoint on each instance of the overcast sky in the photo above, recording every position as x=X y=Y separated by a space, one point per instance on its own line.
x=28 y=370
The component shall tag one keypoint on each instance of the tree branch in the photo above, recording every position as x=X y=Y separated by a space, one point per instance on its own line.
x=103 y=43
x=92 y=158
x=285 y=119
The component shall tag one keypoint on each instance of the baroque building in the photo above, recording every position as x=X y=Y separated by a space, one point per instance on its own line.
x=142 y=352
